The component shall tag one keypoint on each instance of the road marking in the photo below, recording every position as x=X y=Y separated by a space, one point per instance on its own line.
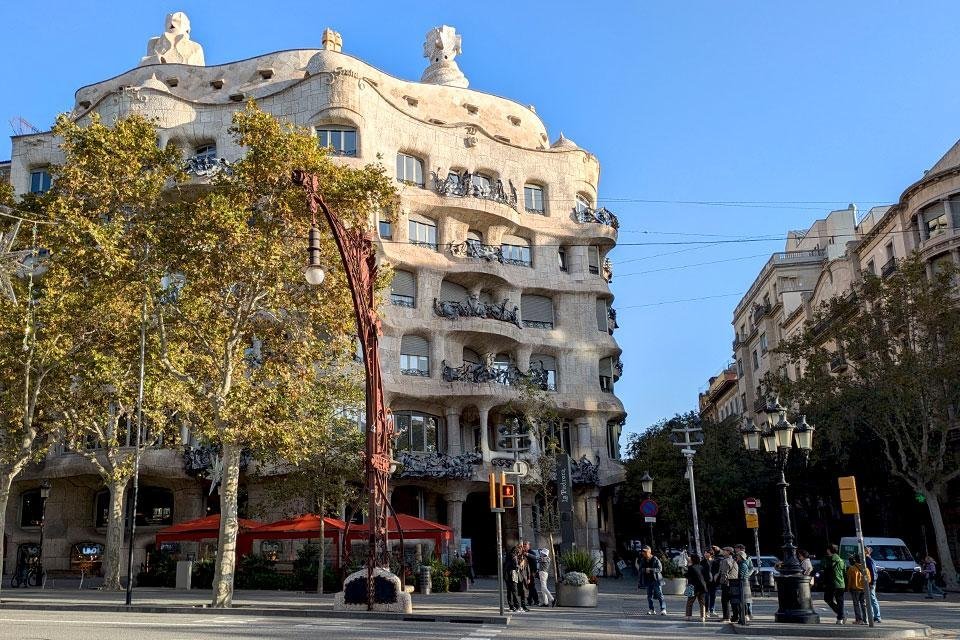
x=119 y=623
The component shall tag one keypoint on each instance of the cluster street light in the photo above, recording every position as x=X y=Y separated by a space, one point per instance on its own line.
x=779 y=436
x=688 y=438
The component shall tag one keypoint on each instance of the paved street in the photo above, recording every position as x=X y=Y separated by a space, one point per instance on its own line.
x=620 y=614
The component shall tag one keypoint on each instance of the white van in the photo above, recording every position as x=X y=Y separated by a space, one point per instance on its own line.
x=896 y=568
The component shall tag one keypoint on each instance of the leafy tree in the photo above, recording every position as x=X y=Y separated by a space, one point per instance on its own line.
x=244 y=332
x=901 y=335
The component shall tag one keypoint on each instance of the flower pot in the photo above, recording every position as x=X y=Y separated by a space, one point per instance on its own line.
x=571 y=596
x=674 y=586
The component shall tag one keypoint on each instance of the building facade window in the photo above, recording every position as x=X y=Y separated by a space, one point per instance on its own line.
x=739 y=368
x=557 y=437
x=582 y=203
x=603 y=315
x=385 y=229
x=482 y=184
x=403 y=289
x=562 y=258
x=414 y=356
x=533 y=198
x=763 y=343
x=423 y=233
x=547 y=364
x=614 y=427
x=409 y=169
x=756 y=360
x=516 y=251
x=340 y=141
x=606 y=375
x=154 y=507
x=935 y=219
x=206 y=152
x=31 y=508
x=593 y=259
x=40 y=181
x=536 y=311
x=417 y=432
x=871 y=267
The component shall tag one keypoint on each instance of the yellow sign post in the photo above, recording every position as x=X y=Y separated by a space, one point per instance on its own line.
x=850 y=505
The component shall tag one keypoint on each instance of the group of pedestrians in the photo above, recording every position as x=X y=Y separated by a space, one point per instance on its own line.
x=857 y=576
x=526 y=571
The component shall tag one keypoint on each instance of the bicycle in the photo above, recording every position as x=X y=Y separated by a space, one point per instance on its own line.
x=26 y=577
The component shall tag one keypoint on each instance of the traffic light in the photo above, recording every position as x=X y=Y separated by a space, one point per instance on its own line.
x=848 y=495
x=508 y=493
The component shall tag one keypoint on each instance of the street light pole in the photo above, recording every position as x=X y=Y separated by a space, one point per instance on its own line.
x=359 y=260
x=44 y=494
x=692 y=437
x=778 y=436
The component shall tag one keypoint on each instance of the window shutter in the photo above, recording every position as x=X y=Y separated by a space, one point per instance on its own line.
x=602 y=315
x=606 y=367
x=414 y=346
x=593 y=258
x=452 y=292
x=536 y=309
x=538 y=360
x=404 y=284
x=515 y=241
x=469 y=355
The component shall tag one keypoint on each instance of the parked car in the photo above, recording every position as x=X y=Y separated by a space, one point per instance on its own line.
x=766 y=573
x=896 y=568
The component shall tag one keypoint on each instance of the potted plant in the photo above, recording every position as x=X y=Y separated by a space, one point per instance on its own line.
x=674 y=577
x=459 y=575
x=578 y=588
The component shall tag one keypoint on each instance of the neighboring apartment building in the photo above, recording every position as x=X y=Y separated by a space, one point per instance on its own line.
x=500 y=267
x=5 y=171
x=721 y=400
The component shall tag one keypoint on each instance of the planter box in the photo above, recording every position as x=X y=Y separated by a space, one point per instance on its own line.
x=674 y=586
x=570 y=596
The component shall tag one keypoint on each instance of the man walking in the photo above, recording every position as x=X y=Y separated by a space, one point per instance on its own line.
x=533 y=560
x=874 y=603
x=834 y=581
x=651 y=572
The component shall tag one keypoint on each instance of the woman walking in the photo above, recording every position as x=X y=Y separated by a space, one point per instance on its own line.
x=696 y=588
x=930 y=574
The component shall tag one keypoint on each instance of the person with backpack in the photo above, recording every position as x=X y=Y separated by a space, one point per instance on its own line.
x=858 y=579
x=651 y=574
x=834 y=581
x=728 y=582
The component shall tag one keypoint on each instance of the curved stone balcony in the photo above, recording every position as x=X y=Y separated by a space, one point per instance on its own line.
x=940 y=243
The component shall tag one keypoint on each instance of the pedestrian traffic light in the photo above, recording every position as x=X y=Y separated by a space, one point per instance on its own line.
x=508 y=493
x=848 y=495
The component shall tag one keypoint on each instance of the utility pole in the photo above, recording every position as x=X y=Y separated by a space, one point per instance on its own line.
x=687 y=438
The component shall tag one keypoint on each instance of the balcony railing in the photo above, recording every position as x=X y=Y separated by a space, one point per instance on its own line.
x=462 y=185
x=888 y=267
x=601 y=215
x=205 y=166
x=398 y=300
x=760 y=310
x=423 y=243
x=436 y=465
x=497 y=373
x=838 y=363
x=617 y=369
x=422 y=373
x=488 y=252
x=476 y=308
x=611 y=320
x=607 y=269
x=537 y=324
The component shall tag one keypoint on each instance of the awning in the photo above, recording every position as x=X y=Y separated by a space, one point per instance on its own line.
x=302 y=527
x=200 y=529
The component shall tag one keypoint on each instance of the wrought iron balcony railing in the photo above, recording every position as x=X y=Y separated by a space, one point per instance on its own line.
x=436 y=465
x=601 y=215
x=205 y=166
x=496 y=373
x=537 y=324
x=423 y=373
x=473 y=307
x=760 y=310
x=888 y=267
x=488 y=252
x=462 y=185
x=611 y=320
x=607 y=270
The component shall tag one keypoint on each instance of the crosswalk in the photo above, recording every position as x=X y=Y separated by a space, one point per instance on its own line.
x=483 y=633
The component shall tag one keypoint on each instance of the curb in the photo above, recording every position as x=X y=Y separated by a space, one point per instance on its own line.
x=887 y=630
x=259 y=611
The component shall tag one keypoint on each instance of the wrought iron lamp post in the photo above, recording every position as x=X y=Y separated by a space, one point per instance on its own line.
x=779 y=436
x=359 y=260
x=646 y=485
x=44 y=494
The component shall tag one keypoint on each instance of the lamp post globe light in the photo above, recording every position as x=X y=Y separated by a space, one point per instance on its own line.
x=779 y=436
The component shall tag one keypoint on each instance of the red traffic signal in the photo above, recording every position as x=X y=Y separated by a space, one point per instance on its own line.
x=508 y=493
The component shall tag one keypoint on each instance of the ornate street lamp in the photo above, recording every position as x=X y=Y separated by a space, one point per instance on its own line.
x=646 y=482
x=779 y=436
x=44 y=494
x=359 y=260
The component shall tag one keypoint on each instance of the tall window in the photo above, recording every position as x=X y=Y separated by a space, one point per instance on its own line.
x=536 y=311
x=341 y=141
x=548 y=365
x=385 y=229
x=414 y=356
x=593 y=260
x=603 y=315
x=516 y=251
x=533 y=198
x=582 y=203
x=40 y=181
x=614 y=427
x=562 y=258
x=739 y=368
x=606 y=375
x=763 y=343
x=416 y=431
x=756 y=360
x=31 y=508
x=482 y=183
x=935 y=219
x=557 y=435
x=409 y=169
x=423 y=232
x=403 y=289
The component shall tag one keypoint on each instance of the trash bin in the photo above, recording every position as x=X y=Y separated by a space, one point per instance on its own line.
x=184 y=574
x=426 y=581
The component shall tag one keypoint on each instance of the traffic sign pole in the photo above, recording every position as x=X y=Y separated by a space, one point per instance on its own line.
x=756 y=546
x=850 y=504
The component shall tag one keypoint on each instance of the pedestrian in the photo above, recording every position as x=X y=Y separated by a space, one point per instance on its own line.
x=930 y=574
x=806 y=565
x=543 y=574
x=872 y=592
x=729 y=572
x=651 y=574
x=857 y=582
x=834 y=582
x=523 y=569
x=532 y=559
x=745 y=569
x=696 y=588
x=711 y=559
x=511 y=574
x=468 y=558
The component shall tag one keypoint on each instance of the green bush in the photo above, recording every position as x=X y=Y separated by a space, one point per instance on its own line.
x=256 y=572
x=439 y=576
x=203 y=574
x=163 y=571
x=671 y=570
x=305 y=571
x=578 y=560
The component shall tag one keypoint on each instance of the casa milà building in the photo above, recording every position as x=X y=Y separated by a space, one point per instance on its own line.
x=499 y=253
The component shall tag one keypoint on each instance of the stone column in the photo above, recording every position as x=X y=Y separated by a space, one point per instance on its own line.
x=584 y=439
x=455 y=499
x=484 y=435
x=593 y=524
x=454 y=444
x=577 y=260
x=527 y=515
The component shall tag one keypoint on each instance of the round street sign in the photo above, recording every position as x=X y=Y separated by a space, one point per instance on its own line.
x=751 y=503
x=649 y=508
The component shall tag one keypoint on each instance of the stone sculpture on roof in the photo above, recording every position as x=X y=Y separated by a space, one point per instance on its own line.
x=441 y=46
x=174 y=45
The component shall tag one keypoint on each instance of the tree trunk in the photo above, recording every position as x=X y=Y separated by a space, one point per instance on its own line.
x=320 y=562
x=227 y=543
x=113 y=549
x=6 y=480
x=940 y=535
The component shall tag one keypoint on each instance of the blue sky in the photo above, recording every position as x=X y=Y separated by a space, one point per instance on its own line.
x=807 y=106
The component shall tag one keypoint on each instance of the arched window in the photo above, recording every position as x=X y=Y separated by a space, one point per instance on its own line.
x=414 y=356
x=582 y=203
x=541 y=362
x=206 y=152
x=417 y=431
x=533 y=199
x=410 y=170
x=516 y=250
x=339 y=140
x=403 y=289
x=474 y=239
x=536 y=311
x=935 y=219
